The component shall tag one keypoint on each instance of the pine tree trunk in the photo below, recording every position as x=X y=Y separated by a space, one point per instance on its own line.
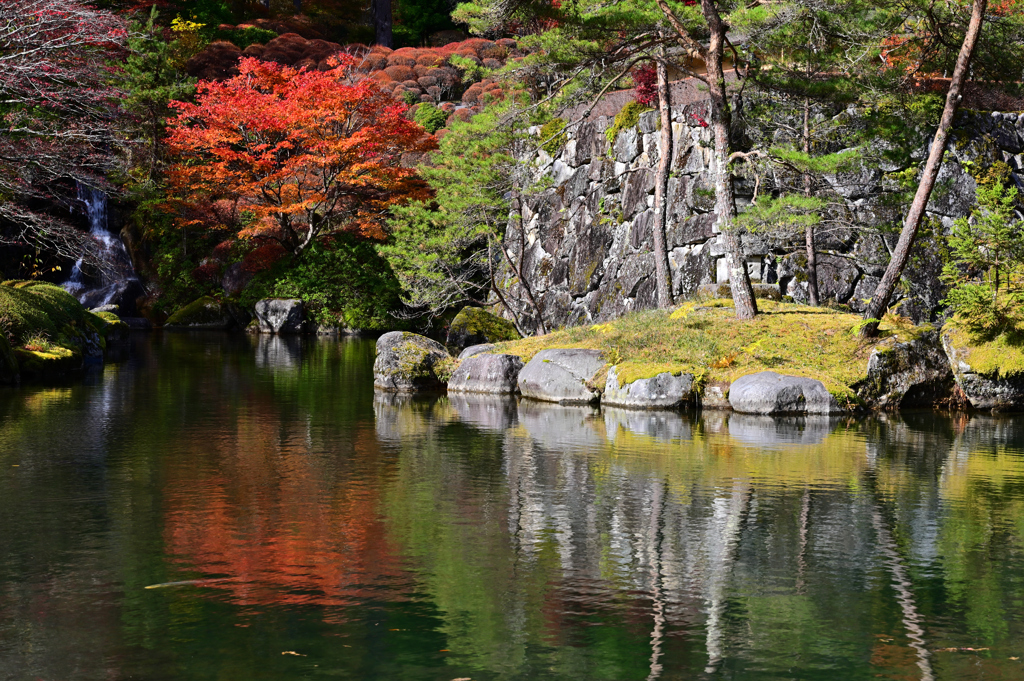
x=662 y=271
x=880 y=302
x=725 y=199
x=812 y=253
x=382 y=22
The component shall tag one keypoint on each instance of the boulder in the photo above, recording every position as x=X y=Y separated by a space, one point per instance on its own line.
x=914 y=373
x=474 y=325
x=563 y=376
x=767 y=392
x=473 y=350
x=983 y=391
x=279 y=315
x=490 y=374
x=664 y=391
x=208 y=313
x=407 y=362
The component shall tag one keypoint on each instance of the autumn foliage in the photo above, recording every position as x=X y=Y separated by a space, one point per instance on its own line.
x=306 y=153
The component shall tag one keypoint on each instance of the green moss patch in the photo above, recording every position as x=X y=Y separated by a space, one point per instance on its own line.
x=706 y=339
x=478 y=322
x=205 y=311
x=999 y=357
x=628 y=117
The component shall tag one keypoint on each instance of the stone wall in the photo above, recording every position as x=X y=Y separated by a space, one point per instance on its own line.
x=586 y=242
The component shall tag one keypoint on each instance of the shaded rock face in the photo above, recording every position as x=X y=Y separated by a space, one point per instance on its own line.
x=586 y=242
x=915 y=373
x=474 y=326
x=663 y=391
x=767 y=392
x=490 y=374
x=406 y=363
x=279 y=315
x=563 y=376
x=983 y=392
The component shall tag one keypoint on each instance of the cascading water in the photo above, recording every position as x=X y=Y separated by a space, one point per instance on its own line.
x=116 y=282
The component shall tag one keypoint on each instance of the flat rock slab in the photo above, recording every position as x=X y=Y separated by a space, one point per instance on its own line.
x=489 y=374
x=563 y=376
x=406 y=363
x=770 y=393
x=663 y=391
x=279 y=315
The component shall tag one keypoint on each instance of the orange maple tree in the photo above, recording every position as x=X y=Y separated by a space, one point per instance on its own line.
x=305 y=152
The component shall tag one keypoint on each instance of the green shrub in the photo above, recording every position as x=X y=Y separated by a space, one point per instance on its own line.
x=553 y=136
x=430 y=117
x=627 y=118
x=344 y=282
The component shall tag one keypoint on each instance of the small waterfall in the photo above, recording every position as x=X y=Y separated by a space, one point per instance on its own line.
x=116 y=282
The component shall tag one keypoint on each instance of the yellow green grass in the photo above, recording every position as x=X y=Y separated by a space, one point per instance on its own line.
x=706 y=339
x=998 y=357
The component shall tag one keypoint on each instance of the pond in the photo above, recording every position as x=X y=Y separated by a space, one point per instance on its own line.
x=226 y=507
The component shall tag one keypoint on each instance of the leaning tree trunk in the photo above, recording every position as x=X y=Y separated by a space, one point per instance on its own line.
x=382 y=22
x=901 y=254
x=725 y=198
x=662 y=272
x=812 y=253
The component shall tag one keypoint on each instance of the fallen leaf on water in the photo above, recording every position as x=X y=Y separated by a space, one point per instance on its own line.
x=292 y=652
x=1014 y=658
x=960 y=650
x=464 y=678
x=444 y=650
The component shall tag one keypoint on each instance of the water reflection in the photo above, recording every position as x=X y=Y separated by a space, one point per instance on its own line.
x=384 y=536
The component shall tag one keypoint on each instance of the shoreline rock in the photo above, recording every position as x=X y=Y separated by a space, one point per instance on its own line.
x=564 y=376
x=407 y=362
x=664 y=391
x=769 y=393
x=983 y=391
x=487 y=374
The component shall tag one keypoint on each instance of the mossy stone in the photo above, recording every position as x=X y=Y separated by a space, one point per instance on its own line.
x=475 y=325
x=205 y=313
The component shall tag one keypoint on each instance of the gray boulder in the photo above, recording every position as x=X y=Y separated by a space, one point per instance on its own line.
x=563 y=376
x=767 y=392
x=490 y=374
x=407 y=362
x=914 y=373
x=663 y=391
x=998 y=393
x=473 y=350
x=279 y=315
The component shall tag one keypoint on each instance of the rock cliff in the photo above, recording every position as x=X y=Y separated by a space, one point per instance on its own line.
x=584 y=239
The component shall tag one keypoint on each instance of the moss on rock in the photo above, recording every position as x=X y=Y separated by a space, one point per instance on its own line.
x=204 y=313
x=474 y=325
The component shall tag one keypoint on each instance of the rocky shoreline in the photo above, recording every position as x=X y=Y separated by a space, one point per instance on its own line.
x=929 y=370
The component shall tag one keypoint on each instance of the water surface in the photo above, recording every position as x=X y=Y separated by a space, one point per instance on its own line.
x=220 y=507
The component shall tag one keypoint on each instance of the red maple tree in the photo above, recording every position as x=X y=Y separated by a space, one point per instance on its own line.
x=305 y=152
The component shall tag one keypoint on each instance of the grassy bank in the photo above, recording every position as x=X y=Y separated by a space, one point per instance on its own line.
x=46 y=332
x=705 y=338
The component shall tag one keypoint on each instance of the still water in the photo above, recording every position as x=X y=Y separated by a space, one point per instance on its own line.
x=231 y=508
